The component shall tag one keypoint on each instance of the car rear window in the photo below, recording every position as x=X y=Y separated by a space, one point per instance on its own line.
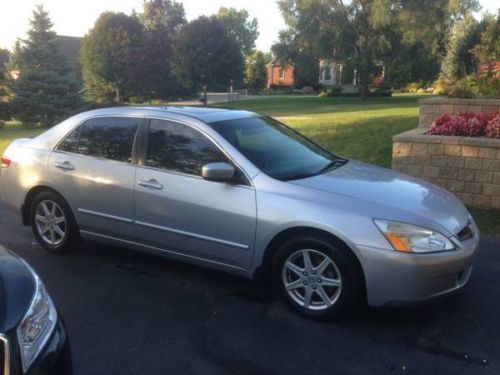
x=109 y=138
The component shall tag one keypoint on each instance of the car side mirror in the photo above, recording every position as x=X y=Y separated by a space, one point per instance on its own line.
x=218 y=172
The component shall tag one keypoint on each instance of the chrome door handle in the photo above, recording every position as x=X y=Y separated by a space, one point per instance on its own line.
x=153 y=184
x=66 y=166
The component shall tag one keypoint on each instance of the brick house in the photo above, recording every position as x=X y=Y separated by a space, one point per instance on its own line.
x=280 y=74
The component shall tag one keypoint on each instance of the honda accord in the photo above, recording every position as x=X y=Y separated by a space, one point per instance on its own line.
x=240 y=192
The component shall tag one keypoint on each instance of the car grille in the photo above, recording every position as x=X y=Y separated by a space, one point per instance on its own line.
x=4 y=355
x=465 y=233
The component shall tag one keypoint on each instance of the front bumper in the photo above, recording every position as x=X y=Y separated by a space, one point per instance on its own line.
x=400 y=279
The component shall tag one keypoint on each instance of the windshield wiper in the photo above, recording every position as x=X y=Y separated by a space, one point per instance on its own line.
x=333 y=164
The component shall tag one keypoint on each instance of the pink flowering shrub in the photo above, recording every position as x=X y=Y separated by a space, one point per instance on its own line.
x=493 y=127
x=467 y=124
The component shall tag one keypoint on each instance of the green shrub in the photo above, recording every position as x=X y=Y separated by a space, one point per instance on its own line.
x=5 y=111
x=335 y=89
x=489 y=87
x=266 y=91
x=475 y=87
x=413 y=87
x=307 y=90
x=465 y=88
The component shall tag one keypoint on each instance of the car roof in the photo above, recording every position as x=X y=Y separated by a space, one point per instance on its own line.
x=205 y=114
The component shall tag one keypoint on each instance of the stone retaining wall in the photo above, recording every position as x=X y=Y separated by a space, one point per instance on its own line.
x=432 y=107
x=467 y=166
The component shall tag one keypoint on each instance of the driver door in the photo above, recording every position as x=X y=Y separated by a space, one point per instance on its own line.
x=178 y=211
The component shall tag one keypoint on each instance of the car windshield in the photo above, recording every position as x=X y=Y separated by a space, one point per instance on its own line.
x=275 y=149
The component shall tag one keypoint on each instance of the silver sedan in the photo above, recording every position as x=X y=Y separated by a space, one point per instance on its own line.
x=241 y=192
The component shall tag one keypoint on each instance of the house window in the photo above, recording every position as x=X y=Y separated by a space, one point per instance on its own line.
x=328 y=73
x=282 y=73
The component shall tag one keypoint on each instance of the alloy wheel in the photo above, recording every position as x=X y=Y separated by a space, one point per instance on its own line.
x=50 y=222
x=312 y=279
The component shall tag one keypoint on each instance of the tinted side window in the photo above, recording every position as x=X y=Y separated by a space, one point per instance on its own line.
x=70 y=143
x=111 y=138
x=180 y=148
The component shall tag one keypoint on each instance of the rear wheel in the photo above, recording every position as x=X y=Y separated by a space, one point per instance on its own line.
x=53 y=223
x=316 y=278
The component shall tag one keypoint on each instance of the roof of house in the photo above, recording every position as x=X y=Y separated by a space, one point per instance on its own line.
x=280 y=61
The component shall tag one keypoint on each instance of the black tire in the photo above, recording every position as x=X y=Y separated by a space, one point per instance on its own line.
x=343 y=299
x=71 y=238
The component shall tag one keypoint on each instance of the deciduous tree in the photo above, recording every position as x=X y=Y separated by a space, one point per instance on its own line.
x=107 y=55
x=207 y=56
x=151 y=63
x=241 y=27
x=256 y=71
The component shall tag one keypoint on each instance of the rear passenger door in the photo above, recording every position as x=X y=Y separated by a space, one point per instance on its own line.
x=94 y=169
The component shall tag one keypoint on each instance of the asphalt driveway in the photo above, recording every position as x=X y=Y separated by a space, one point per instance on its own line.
x=132 y=313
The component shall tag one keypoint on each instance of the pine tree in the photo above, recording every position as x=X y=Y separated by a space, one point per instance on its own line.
x=46 y=89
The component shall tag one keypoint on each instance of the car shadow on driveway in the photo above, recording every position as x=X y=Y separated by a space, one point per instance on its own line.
x=134 y=313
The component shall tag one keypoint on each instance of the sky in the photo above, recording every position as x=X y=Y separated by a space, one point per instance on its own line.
x=76 y=17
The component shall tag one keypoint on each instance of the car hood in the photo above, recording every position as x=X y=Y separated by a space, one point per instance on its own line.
x=394 y=190
x=16 y=290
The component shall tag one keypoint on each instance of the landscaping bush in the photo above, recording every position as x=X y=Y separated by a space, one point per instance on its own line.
x=467 y=124
x=487 y=86
x=493 y=127
x=266 y=91
x=440 y=87
x=412 y=87
x=332 y=91
x=307 y=90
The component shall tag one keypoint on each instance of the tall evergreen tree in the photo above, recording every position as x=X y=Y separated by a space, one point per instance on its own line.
x=463 y=36
x=108 y=55
x=46 y=89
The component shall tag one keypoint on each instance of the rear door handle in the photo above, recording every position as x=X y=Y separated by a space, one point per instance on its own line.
x=152 y=184
x=65 y=166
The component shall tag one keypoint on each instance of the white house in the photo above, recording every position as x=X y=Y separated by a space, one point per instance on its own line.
x=330 y=72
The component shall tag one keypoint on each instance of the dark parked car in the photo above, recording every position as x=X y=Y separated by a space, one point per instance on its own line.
x=33 y=339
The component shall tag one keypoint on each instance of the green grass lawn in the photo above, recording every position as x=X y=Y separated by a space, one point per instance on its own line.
x=354 y=128
x=346 y=126
x=14 y=130
x=360 y=129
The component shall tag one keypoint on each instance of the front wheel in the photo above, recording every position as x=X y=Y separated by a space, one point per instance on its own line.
x=316 y=278
x=53 y=223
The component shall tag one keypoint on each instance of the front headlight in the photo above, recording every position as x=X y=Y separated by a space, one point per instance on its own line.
x=37 y=325
x=413 y=239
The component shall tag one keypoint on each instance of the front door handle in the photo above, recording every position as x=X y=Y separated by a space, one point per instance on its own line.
x=152 y=184
x=65 y=166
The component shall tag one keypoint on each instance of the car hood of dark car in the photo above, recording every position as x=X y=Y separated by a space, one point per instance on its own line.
x=16 y=289
x=392 y=189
